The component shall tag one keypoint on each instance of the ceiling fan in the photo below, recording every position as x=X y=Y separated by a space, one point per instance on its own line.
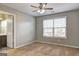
x=41 y=8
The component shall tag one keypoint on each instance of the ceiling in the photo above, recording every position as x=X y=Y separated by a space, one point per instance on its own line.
x=58 y=7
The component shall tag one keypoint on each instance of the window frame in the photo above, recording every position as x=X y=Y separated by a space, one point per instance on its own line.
x=58 y=27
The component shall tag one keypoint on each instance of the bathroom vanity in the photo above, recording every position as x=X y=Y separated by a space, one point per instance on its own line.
x=3 y=40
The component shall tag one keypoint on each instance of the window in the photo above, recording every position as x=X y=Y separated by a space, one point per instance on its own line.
x=48 y=28
x=54 y=27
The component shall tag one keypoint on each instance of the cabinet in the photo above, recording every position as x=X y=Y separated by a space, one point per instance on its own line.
x=3 y=41
x=0 y=42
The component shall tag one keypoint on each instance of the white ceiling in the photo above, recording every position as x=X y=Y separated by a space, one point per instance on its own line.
x=58 y=7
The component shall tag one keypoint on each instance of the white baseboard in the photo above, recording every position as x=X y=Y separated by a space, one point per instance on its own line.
x=25 y=44
x=58 y=44
x=47 y=43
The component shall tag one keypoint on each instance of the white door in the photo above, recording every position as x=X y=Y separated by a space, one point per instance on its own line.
x=10 y=31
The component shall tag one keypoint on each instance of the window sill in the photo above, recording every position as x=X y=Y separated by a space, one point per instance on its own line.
x=56 y=37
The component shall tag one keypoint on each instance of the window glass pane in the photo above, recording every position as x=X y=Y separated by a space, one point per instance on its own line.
x=48 y=23
x=60 y=22
x=47 y=32
x=60 y=32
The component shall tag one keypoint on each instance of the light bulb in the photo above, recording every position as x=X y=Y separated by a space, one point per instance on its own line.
x=38 y=11
x=42 y=11
x=44 y=6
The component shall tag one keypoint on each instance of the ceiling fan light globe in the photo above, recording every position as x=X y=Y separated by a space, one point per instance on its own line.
x=42 y=11
x=38 y=11
x=44 y=6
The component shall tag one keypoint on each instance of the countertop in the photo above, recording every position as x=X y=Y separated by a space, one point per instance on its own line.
x=3 y=34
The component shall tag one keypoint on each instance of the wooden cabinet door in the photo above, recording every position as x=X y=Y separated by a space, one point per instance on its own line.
x=0 y=41
x=4 y=41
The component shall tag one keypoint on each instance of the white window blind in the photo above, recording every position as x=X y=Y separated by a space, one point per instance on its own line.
x=48 y=28
x=54 y=27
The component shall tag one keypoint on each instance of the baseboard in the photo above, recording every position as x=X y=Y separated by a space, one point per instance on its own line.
x=58 y=44
x=24 y=44
x=47 y=43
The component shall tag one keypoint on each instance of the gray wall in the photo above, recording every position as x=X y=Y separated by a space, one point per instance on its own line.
x=72 y=29
x=25 y=29
x=25 y=26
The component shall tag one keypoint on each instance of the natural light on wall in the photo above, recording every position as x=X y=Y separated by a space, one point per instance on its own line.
x=54 y=27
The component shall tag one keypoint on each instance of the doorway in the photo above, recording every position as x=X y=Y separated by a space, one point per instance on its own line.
x=7 y=28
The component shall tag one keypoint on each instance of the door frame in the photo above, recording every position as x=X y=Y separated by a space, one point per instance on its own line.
x=14 y=27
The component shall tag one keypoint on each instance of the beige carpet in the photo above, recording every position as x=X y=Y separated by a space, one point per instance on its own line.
x=41 y=49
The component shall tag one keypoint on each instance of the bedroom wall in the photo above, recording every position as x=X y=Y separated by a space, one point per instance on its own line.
x=72 y=29
x=24 y=26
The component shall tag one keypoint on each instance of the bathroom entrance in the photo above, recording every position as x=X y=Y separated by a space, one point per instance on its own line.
x=6 y=30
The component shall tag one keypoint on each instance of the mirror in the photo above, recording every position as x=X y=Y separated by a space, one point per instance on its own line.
x=3 y=24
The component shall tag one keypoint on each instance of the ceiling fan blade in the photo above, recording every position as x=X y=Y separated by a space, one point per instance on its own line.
x=48 y=8
x=34 y=6
x=34 y=11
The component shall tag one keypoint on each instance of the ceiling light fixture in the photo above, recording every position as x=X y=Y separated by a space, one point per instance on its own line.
x=41 y=8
